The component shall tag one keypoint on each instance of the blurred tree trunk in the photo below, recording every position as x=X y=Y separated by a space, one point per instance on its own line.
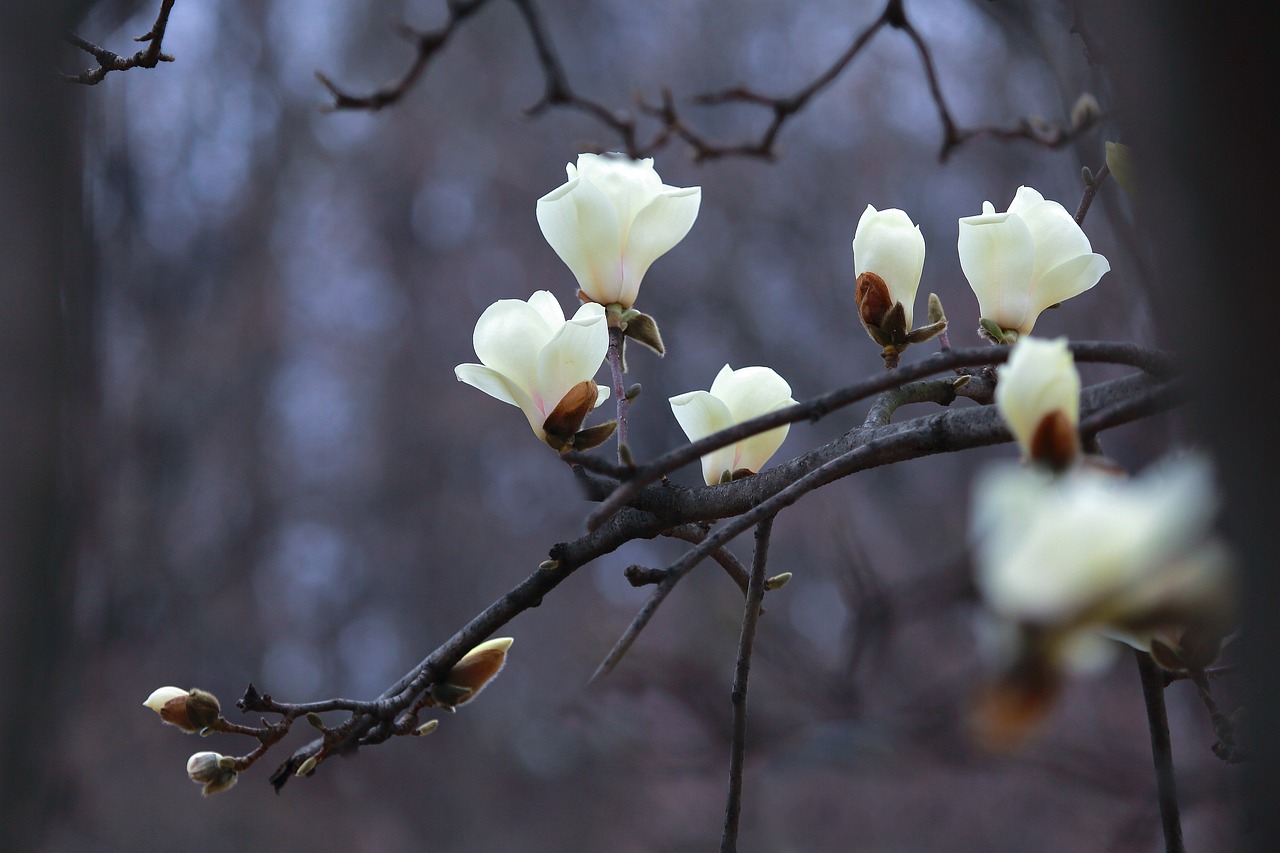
x=38 y=177
x=1196 y=92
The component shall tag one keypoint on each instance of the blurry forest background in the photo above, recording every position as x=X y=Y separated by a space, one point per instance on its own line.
x=275 y=477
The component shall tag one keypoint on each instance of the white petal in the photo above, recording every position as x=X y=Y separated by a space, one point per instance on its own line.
x=508 y=337
x=1040 y=378
x=582 y=227
x=1023 y=199
x=751 y=391
x=501 y=388
x=996 y=255
x=1063 y=282
x=1057 y=236
x=658 y=227
x=699 y=415
x=574 y=355
x=548 y=308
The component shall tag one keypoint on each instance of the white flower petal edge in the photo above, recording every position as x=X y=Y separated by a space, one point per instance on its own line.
x=1021 y=262
x=611 y=220
x=889 y=244
x=735 y=396
x=531 y=356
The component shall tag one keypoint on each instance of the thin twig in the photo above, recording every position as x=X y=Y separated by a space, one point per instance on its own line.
x=1161 y=751
x=1091 y=190
x=149 y=57
x=741 y=673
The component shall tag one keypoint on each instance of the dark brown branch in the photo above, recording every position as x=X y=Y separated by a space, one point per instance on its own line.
x=741 y=674
x=428 y=44
x=149 y=57
x=558 y=92
x=1151 y=360
x=1091 y=190
x=1161 y=751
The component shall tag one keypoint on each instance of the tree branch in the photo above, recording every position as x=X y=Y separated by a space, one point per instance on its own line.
x=149 y=57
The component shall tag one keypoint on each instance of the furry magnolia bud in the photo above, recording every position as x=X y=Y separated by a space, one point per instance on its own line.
x=214 y=771
x=470 y=675
x=190 y=710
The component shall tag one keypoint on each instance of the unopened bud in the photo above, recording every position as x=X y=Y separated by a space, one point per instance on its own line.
x=214 y=771
x=314 y=719
x=1086 y=112
x=427 y=728
x=470 y=675
x=549 y=565
x=307 y=767
x=777 y=581
x=190 y=710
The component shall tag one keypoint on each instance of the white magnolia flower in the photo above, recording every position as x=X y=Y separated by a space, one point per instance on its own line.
x=532 y=358
x=890 y=245
x=1038 y=394
x=1024 y=260
x=735 y=396
x=611 y=220
x=1090 y=552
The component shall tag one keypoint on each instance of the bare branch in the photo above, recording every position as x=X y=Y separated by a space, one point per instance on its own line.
x=149 y=57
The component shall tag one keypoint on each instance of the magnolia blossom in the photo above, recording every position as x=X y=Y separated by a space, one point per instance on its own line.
x=611 y=220
x=890 y=245
x=1024 y=260
x=532 y=358
x=735 y=396
x=1086 y=554
x=1038 y=394
x=216 y=772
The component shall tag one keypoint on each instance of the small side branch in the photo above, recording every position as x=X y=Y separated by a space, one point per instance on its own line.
x=738 y=750
x=1161 y=752
x=149 y=57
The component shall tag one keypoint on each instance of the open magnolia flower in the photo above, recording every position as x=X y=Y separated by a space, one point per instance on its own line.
x=735 y=396
x=1024 y=260
x=535 y=359
x=1038 y=394
x=611 y=220
x=888 y=258
x=1068 y=564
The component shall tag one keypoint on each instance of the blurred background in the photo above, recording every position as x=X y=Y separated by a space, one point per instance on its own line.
x=276 y=478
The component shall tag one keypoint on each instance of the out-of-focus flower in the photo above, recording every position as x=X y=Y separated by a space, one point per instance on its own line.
x=535 y=359
x=888 y=258
x=470 y=675
x=735 y=396
x=1120 y=162
x=1038 y=394
x=1025 y=260
x=1066 y=564
x=216 y=772
x=190 y=710
x=611 y=220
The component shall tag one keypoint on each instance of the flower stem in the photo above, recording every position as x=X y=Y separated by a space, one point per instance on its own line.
x=619 y=390
x=1161 y=752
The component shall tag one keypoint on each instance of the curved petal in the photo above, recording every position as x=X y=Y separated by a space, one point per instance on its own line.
x=508 y=337
x=572 y=356
x=1065 y=281
x=581 y=225
x=1024 y=199
x=628 y=184
x=996 y=255
x=1057 y=236
x=548 y=308
x=699 y=415
x=750 y=391
x=501 y=388
x=754 y=452
x=657 y=228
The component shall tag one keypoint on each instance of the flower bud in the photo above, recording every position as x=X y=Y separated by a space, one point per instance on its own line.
x=1086 y=112
x=470 y=675
x=190 y=710
x=1038 y=395
x=427 y=728
x=214 y=771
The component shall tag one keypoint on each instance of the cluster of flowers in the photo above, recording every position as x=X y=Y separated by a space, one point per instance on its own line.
x=1069 y=554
